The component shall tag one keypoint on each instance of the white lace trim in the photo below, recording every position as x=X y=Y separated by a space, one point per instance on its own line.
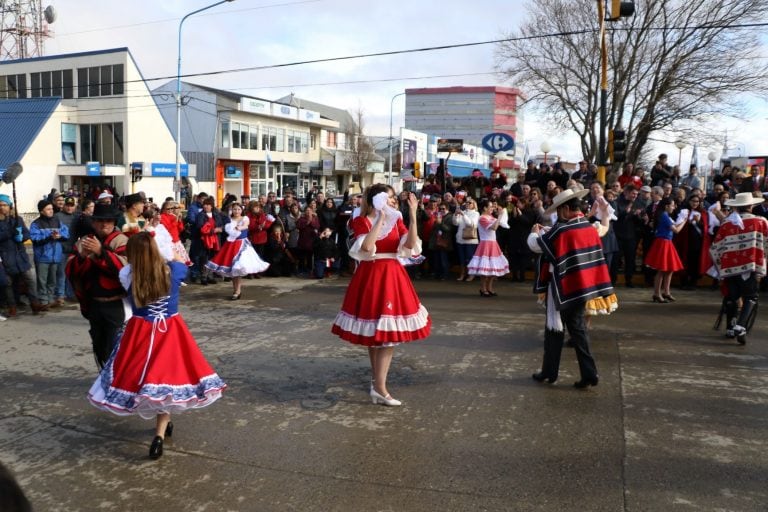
x=386 y=323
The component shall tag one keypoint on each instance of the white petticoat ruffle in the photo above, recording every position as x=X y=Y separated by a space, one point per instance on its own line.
x=386 y=323
x=496 y=266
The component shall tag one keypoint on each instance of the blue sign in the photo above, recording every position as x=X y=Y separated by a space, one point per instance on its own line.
x=495 y=142
x=93 y=169
x=160 y=170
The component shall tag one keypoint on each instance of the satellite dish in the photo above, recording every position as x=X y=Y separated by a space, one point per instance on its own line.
x=11 y=173
x=50 y=14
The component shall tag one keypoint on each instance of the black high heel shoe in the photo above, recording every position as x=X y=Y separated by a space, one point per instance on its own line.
x=156 y=448
x=658 y=299
x=540 y=377
x=668 y=297
x=583 y=383
x=169 y=429
x=484 y=293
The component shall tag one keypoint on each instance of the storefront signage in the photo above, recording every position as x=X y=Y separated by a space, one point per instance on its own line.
x=308 y=115
x=255 y=106
x=285 y=111
x=161 y=170
x=93 y=169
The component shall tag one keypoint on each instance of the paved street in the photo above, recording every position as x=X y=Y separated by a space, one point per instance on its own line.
x=678 y=421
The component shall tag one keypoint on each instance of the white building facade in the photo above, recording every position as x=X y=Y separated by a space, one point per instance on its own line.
x=104 y=124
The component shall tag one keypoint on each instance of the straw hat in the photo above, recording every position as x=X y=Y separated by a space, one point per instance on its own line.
x=744 y=199
x=565 y=196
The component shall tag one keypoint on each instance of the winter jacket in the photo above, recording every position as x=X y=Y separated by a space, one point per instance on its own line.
x=13 y=254
x=45 y=248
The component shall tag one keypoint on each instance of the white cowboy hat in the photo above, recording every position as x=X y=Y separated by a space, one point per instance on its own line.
x=565 y=196
x=744 y=199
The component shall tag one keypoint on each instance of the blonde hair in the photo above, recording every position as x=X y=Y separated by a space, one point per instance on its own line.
x=151 y=277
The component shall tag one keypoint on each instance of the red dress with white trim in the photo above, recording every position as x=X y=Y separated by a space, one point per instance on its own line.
x=662 y=255
x=488 y=259
x=156 y=366
x=381 y=307
x=237 y=257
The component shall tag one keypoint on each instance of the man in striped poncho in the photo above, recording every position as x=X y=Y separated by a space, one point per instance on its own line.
x=738 y=253
x=572 y=271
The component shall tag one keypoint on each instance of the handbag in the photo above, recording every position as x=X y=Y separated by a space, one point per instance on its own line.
x=469 y=233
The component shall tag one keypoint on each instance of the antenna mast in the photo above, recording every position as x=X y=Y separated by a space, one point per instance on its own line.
x=24 y=27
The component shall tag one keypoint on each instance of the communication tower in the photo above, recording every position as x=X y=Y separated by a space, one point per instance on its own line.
x=24 y=27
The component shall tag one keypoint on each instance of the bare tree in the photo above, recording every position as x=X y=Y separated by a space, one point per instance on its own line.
x=672 y=66
x=359 y=153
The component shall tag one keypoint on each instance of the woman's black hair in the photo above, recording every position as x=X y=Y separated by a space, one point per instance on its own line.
x=483 y=203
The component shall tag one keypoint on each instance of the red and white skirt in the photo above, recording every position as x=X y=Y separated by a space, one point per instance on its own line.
x=488 y=260
x=663 y=256
x=381 y=308
x=156 y=367
x=236 y=259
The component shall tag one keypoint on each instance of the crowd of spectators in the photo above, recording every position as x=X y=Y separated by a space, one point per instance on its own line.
x=308 y=236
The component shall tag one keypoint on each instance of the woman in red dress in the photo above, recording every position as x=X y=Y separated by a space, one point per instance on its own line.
x=156 y=367
x=381 y=308
x=663 y=256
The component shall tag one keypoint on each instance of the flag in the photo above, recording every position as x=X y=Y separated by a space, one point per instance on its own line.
x=269 y=157
x=695 y=156
x=526 y=156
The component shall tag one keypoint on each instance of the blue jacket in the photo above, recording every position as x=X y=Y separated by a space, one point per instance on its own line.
x=44 y=247
x=13 y=254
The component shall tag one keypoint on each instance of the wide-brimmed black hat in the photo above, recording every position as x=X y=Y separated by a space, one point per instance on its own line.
x=132 y=199
x=105 y=212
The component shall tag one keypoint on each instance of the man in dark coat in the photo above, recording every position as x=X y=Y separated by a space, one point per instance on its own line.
x=13 y=234
x=94 y=268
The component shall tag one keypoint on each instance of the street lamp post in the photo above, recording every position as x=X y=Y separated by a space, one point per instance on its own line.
x=712 y=156
x=177 y=185
x=679 y=145
x=391 y=106
x=545 y=148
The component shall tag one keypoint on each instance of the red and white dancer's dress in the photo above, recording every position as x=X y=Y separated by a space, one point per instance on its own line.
x=237 y=257
x=488 y=259
x=381 y=307
x=156 y=366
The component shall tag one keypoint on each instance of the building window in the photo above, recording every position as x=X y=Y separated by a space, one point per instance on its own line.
x=69 y=143
x=253 y=139
x=298 y=142
x=225 y=135
x=51 y=83
x=331 y=139
x=101 y=143
x=100 y=81
x=13 y=86
x=236 y=135
x=313 y=141
x=272 y=138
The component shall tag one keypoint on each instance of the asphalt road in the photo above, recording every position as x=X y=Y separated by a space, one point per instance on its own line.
x=678 y=422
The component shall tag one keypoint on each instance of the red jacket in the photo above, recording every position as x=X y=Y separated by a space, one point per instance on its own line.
x=258 y=226
x=173 y=224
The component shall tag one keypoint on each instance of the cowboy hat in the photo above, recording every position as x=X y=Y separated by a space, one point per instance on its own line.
x=105 y=212
x=563 y=197
x=744 y=199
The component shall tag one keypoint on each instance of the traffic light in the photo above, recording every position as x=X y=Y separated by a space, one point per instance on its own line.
x=617 y=145
x=621 y=9
x=136 y=173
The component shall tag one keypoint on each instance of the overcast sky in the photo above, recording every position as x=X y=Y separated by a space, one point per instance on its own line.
x=250 y=33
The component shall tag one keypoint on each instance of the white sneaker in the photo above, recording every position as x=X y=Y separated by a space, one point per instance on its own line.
x=2 y=318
